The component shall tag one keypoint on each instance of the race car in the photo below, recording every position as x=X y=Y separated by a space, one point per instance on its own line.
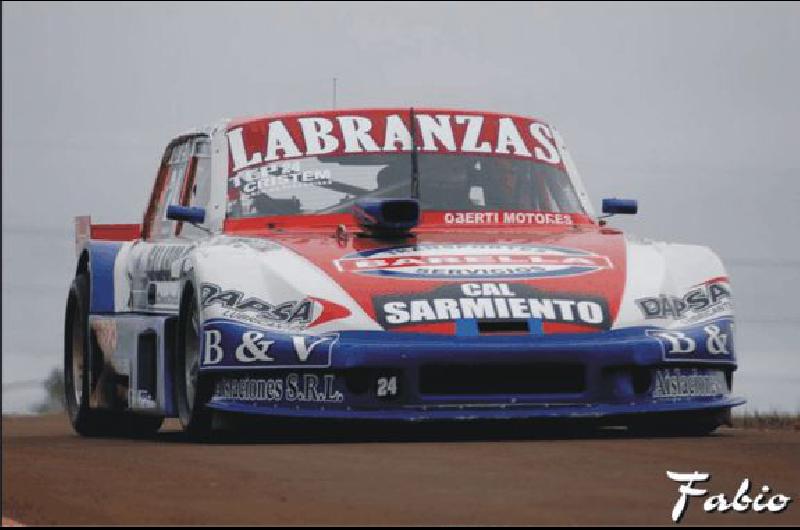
x=389 y=264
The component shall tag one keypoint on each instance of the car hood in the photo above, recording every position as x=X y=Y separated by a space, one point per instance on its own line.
x=556 y=280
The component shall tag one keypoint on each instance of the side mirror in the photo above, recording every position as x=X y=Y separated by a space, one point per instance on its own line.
x=188 y=214
x=613 y=206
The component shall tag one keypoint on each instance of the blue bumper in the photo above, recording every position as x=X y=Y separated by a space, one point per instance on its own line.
x=408 y=376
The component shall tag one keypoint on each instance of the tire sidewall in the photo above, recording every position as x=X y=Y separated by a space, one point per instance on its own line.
x=195 y=417
x=77 y=308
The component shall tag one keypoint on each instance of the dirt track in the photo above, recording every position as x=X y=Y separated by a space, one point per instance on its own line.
x=471 y=475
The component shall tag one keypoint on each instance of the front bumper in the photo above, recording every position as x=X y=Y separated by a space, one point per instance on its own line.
x=410 y=376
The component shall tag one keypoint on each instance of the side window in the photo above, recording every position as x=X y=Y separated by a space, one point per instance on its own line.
x=176 y=167
x=197 y=190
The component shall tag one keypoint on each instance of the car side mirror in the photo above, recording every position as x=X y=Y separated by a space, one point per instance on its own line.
x=614 y=206
x=188 y=214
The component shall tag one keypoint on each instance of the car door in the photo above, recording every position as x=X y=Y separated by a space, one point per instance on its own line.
x=155 y=260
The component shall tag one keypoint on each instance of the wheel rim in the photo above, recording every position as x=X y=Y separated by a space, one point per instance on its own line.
x=76 y=365
x=192 y=355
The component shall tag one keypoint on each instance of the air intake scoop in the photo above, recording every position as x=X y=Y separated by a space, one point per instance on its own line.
x=387 y=218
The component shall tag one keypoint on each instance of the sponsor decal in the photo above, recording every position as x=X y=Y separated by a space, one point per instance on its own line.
x=253 y=348
x=334 y=134
x=141 y=399
x=675 y=383
x=161 y=262
x=712 y=341
x=155 y=263
x=465 y=261
x=386 y=387
x=507 y=218
x=290 y=388
x=278 y=177
x=296 y=313
x=741 y=502
x=233 y=345
x=489 y=301
x=700 y=302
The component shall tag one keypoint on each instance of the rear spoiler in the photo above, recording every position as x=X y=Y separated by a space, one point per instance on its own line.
x=86 y=231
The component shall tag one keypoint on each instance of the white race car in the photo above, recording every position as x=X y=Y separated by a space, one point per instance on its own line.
x=388 y=264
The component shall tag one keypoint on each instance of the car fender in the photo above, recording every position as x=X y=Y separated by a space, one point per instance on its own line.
x=667 y=282
x=263 y=283
x=104 y=262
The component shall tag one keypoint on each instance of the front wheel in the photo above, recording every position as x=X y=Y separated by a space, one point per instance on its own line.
x=192 y=391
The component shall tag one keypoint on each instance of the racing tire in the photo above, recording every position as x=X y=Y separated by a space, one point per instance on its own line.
x=700 y=423
x=192 y=392
x=79 y=370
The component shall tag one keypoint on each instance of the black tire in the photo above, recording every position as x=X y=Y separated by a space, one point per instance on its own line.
x=80 y=371
x=701 y=423
x=192 y=392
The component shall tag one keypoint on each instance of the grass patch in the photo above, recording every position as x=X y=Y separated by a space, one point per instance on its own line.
x=767 y=420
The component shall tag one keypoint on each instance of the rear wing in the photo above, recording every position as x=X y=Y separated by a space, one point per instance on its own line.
x=85 y=231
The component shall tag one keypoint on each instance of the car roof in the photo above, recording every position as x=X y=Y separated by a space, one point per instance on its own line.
x=239 y=121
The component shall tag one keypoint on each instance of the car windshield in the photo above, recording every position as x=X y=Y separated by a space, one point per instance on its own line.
x=331 y=184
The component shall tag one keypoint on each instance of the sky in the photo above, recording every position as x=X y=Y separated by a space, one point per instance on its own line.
x=691 y=108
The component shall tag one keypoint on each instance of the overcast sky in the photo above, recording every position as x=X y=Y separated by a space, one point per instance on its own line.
x=691 y=108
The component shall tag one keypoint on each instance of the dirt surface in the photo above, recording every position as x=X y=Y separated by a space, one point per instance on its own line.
x=383 y=475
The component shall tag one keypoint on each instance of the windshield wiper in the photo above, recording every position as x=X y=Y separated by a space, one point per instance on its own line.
x=414 y=158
